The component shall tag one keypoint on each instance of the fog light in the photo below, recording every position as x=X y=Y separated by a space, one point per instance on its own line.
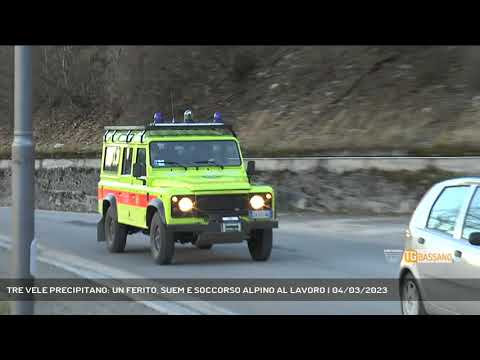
x=268 y=196
x=257 y=202
x=185 y=204
x=174 y=199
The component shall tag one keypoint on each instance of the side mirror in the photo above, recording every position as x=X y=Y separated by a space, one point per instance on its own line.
x=139 y=170
x=474 y=238
x=251 y=168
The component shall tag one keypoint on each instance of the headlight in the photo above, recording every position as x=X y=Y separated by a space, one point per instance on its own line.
x=257 y=202
x=185 y=204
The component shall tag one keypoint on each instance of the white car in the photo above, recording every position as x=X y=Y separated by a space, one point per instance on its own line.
x=440 y=268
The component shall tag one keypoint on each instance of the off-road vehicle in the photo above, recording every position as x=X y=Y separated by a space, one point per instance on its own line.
x=181 y=183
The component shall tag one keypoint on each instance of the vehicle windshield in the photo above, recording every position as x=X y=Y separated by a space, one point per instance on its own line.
x=194 y=153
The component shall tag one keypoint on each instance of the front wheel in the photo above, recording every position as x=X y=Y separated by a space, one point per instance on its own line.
x=260 y=244
x=411 y=299
x=162 y=242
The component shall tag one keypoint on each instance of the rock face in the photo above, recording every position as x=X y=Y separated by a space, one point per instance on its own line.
x=357 y=192
x=62 y=189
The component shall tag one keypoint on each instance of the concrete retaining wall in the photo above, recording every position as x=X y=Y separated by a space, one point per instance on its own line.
x=346 y=164
x=325 y=184
x=337 y=165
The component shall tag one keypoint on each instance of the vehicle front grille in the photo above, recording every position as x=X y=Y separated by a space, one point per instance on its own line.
x=234 y=204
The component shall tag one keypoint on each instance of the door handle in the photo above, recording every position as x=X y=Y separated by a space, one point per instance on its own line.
x=458 y=253
x=421 y=240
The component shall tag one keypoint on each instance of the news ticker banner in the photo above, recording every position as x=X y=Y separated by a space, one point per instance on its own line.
x=231 y=289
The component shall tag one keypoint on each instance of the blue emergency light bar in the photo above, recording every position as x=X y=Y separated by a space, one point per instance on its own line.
x=186 y=126
x=166 y=126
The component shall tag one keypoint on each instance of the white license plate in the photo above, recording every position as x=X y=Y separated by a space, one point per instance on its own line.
x=260 y=214
x=231 y=226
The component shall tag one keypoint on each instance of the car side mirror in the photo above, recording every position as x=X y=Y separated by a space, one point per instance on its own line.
x=251 y=168
x=474 y=238
x=139 y=170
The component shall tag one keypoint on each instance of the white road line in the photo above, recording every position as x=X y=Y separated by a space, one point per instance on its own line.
x=94 y=270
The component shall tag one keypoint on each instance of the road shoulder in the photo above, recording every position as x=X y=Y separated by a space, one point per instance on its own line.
x=73 y=307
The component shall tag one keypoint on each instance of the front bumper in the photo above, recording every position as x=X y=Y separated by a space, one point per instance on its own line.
x=215 y=226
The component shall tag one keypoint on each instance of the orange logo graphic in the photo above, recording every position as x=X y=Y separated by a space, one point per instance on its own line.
x=410 y=256
x=414 y=256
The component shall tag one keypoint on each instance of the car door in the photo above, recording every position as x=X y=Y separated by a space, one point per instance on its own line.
x=126 y=196
x=465 y=271
x=140 y=190
x=110 y=173
x=438 y=239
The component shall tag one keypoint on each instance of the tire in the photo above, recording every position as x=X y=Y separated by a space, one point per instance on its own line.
x=115 y=233
x=260 y=244
x=162 y=242
x=411 y=302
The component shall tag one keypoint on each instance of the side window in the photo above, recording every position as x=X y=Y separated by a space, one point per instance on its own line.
x=127 y=161
x=472 y=219
x=141 y=157
x=446 y=208
x=112 y=155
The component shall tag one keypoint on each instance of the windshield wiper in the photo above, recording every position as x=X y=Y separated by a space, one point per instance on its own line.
x=209 y=162
x=176 y=163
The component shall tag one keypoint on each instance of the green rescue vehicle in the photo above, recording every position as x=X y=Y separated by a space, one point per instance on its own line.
x=181 y=183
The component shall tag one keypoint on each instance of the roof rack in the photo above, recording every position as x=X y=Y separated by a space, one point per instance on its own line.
x=164 y=126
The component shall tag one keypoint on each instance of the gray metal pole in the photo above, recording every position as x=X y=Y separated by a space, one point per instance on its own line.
x=22 y=174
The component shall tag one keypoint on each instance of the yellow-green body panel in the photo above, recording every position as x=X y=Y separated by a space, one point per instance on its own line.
x=133 y=196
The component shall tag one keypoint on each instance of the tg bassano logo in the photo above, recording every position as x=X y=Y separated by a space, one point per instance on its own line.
x=416 y=256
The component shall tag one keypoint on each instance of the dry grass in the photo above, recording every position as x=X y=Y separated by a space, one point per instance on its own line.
x=291 y=100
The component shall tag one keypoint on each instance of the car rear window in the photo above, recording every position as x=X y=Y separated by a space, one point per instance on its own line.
x=472 y=219
x=112 y=157
x=445 y=210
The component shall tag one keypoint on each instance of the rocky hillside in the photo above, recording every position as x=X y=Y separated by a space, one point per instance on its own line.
x=285 y=100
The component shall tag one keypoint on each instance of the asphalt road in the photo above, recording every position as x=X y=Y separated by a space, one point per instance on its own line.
x=305 y=246
x=73 y=307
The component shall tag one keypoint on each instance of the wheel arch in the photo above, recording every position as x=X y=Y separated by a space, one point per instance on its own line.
x=153 y=207
x=401 y=278
x=108 y=201
x=404 y=273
